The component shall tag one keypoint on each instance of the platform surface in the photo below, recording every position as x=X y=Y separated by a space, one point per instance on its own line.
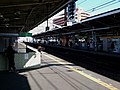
x=56 y=74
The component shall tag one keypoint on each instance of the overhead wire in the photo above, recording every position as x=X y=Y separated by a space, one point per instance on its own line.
x=82 y=2
x=107 y=5
x=103 y=5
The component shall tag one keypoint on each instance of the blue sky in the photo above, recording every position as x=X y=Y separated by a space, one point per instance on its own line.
x=91 y=4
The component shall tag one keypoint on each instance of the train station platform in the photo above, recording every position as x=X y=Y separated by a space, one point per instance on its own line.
x=56 y=74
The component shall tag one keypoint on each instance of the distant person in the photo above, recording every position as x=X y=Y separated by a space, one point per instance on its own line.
x=40 y=49
x=10 y=55
x=112 y=46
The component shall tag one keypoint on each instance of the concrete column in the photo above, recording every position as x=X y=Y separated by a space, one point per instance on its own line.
x=94 y=40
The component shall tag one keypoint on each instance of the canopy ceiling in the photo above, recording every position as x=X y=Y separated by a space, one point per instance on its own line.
x=23 y=15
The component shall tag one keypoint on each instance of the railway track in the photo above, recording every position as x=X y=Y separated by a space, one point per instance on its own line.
x=96 y=64
x=102 y=64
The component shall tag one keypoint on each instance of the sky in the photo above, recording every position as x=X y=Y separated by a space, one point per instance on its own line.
x=95 y=7
x=86 y=5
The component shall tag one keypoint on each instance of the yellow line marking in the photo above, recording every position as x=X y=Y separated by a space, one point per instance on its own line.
x=86 y=75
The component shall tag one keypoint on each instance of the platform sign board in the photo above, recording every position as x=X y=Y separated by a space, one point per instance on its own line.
x=25 y=34
x=69 y=23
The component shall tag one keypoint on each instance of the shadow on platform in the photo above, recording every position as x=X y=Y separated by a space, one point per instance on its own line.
x=13 y=81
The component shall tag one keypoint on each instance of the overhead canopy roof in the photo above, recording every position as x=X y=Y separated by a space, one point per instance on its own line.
x=23 y=15
x=102 y=22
